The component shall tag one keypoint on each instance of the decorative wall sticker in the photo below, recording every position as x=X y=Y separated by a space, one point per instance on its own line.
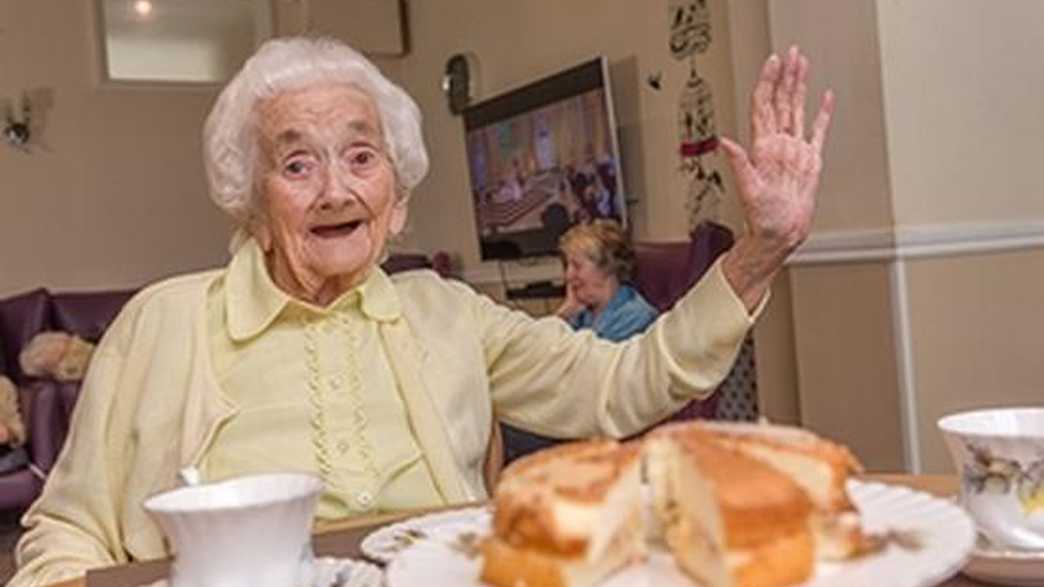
x=16 y=130
x=655 y=80
x=690 y=27
x=697 y=137
x=690 y=35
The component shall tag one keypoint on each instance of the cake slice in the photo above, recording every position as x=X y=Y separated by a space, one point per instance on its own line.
x=729 y=520
x=568 y=516
x=820 y=467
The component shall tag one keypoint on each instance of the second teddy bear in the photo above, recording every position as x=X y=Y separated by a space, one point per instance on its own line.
x=59 y=355
x=12 y=429
x=13 y=455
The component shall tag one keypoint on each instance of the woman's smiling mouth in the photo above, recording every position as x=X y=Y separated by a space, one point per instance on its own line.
x=336 y=230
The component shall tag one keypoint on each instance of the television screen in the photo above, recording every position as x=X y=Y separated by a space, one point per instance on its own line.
x=542 y=158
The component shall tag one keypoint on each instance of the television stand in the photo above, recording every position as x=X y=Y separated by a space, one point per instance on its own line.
x=536 y=290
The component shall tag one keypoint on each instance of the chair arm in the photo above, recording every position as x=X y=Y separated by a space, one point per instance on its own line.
x=48 y=424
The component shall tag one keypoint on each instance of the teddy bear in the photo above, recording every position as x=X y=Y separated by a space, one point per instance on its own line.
x=13 y=455
x=59 y=355
x=12 y=429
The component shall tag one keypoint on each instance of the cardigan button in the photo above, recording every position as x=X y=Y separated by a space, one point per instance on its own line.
x=364 y=499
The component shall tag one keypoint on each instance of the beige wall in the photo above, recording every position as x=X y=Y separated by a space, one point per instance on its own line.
x=939 y=113
x=963 y=104
x=846 y=366
x=976 y=328
x=964 y=100
x=113 y=193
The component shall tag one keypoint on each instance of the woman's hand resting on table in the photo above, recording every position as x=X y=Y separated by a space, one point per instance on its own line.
x=778 y=177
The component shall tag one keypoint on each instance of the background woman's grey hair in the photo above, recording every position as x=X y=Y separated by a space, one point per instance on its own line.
x=605 y=243
x=230 y=137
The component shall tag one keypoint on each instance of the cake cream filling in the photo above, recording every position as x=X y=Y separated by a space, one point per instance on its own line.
x=812 y=475
x=685 y=503
x=600 y=522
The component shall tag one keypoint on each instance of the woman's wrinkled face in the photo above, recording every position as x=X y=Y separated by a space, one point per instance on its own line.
x=592 y=286
x=328 y=190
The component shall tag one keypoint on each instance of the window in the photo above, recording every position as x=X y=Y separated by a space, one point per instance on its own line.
x=182 y=41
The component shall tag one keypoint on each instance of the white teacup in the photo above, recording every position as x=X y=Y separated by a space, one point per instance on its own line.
x=250 y=531
x=999 y=454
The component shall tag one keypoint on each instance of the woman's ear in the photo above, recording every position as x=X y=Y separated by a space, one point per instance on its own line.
x=400 y=210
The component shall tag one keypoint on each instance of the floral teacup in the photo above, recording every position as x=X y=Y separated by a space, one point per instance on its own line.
x=250 y=531
x=999 y=454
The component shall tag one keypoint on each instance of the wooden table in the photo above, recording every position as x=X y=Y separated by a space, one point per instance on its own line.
x=342 y=539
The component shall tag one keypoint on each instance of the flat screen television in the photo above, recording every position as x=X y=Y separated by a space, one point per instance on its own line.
x=541 y=158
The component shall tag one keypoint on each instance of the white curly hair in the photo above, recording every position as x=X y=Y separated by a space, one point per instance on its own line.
x=231 y=149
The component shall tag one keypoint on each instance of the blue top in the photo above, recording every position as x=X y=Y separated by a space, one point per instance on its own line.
x=624 y=316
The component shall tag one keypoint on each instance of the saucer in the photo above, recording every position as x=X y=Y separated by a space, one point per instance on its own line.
x=333 y=572
x=384 y=544
x=992 y=564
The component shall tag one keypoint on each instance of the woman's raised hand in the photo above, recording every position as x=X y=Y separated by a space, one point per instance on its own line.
x=778 y=178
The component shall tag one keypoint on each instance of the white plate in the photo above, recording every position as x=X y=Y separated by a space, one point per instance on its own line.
x=385 y=544
x=944 y=532
x=1005 y=567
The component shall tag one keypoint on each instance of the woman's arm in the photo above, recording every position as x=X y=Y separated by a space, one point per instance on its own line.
x=546 y=378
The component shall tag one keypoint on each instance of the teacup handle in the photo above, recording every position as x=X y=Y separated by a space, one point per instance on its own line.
x=190 y=476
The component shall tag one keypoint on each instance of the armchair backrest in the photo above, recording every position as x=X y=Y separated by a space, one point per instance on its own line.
x=666 y=270
x=21 y=318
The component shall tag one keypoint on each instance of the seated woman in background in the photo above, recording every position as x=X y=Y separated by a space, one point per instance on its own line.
x=303 y=355
x=598 y=264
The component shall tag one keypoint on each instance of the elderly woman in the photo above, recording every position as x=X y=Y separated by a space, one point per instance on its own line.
x=598 y=263
x=303 y=355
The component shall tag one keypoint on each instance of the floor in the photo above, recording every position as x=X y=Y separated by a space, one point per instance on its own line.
x=9 y=533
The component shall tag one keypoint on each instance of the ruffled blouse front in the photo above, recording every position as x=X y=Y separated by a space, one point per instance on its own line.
x=315 y=392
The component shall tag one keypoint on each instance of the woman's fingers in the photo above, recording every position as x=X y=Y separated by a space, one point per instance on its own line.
x=763 y=117
x=785 y=90
x=822 y=122
x=798 y=99
x=743 y=169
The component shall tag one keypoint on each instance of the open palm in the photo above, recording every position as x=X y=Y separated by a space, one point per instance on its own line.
x=778 y=179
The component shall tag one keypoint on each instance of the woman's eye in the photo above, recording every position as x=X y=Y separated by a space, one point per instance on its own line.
x=296 y=167
x=363 y=158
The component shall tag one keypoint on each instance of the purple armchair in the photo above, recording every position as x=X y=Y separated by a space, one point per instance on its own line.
x=46 y=404
x=665 y=270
